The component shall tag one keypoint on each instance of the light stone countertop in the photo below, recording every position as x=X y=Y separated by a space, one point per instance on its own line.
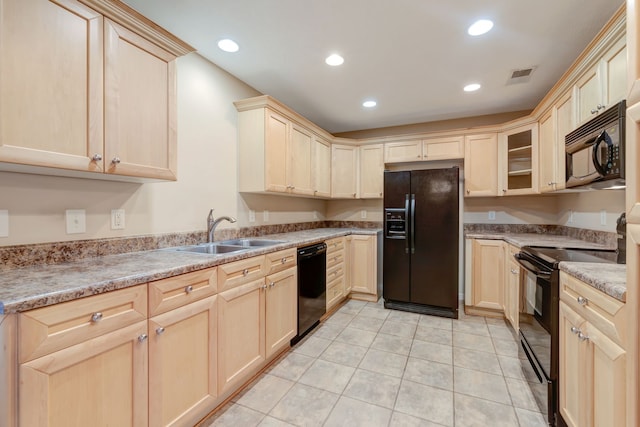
x=533 y=239
x=608 y=278
x=27 y=288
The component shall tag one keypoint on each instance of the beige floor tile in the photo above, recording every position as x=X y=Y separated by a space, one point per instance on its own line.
x=304 y=406
x=429 y=373
x=431 y=334
x=384 y=363
x=506 y=347
x=366 y=323
x=339 y=319
x=328 y=331
x=356 y=337
x=292 y=366
x=344 y=354
x=265 y=393
x=511 y=367
x=375 y=311
x=392 y=344
x=436 y=322
x=273 y=422
x=432 y=351
x=355 y=413
x=474 y=412
x=352 y=307
x=530 y=418
x=237 y=415
x=328 y=376
x=423 y=401
x=481 y=384
x=502 y=332
x=400 y=329
x=475 y=328
x=478 y=360
x=372 y=387
x=473 y=342
x=521 y=394
x=403 y=316
x=311 y=346
x=398 y=419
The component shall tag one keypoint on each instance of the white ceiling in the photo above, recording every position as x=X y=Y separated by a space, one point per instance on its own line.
x=412 y=56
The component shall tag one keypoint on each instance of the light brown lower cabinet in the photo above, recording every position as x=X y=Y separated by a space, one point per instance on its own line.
x=592 y=368
x=512 y=287
x=281 y=310
x=487 y=275
x=363 y=267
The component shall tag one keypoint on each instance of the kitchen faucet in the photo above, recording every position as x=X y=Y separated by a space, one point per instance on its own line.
x=213 y=223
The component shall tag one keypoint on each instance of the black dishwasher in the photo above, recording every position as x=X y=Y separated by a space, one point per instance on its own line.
x=312 y=287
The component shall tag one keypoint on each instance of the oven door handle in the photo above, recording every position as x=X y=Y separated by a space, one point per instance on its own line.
x=527 y=265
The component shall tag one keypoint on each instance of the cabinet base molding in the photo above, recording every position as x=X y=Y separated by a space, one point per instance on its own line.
x=363 y=297
x=486 y=312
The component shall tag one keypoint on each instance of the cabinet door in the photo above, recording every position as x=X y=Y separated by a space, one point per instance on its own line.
x=614 y=72
x=362 y=258
x=518 y=160
x=241 y=342
x=275 y=152
x=299 y=161
x=512 y=292
x=281 y=310
x=102 y=381
x=451 y=147
x=564 y=124
x=321 y=168
x=182 y=364
x=572 y=381
x=371 y=171
x=588 y=95
x=140 y=106
x=488 y=274
x=51 y=106
x=547 y=147
x=481 y=165
x=405 y=151
x=344 y=171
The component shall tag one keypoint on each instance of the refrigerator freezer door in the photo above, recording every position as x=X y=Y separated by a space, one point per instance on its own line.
x=396 y=266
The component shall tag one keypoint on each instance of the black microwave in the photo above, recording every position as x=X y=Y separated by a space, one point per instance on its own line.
x=595 y=151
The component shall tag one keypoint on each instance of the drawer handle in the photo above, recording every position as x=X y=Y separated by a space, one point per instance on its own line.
x=143 y=338
x=245 y=272
x=283 y=260
x=513 y=271
x=188 y=289
x=96 y=157
x=96 y=317
x=160 y=330
x=582 y=300
x=115 y=160
x=575 y=330
x=582 y=337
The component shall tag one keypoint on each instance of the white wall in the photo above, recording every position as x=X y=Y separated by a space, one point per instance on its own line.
x=511 y=210
x=587 y=208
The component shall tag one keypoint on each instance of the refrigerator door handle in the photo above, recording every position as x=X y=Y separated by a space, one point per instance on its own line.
x=406 y=223
x=413 y=223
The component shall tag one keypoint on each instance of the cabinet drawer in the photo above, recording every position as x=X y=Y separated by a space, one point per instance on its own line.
x=281 y=260
x=48 y=329
x=174 y=292
x=334 y=245
x=335 y=258
x=236 y=273
x=334 y=272
x=601 y=310
x=335 y=292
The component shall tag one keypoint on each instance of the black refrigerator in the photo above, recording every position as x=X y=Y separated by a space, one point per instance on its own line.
x=421 y=233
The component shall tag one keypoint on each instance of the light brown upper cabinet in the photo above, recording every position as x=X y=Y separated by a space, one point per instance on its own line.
x=321 y=167
x=415 y=150
x=602 y=85
x=344 y=171
x=481 y=165
x=553 y=127
x=371 y=171
x=518 y=161
x=82 y=93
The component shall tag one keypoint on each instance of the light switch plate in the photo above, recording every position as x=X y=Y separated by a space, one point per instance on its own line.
x=363 y=214
x=603 y=217
x=252 y=215
x=570 y=216
x=492 y=215
x=117 y=219
x=265 y=216
x=4 y=223
x=76 y=221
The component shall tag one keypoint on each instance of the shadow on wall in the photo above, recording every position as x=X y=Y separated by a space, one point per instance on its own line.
x=262 y=209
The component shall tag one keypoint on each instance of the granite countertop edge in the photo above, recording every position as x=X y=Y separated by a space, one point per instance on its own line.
x=28 y=288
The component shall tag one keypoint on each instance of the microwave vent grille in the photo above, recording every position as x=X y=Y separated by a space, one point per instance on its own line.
x=598 y=123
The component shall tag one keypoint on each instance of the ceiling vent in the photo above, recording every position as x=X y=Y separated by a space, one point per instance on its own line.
x=522 y=75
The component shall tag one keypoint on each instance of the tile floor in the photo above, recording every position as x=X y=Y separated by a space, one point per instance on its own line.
x=368 y=366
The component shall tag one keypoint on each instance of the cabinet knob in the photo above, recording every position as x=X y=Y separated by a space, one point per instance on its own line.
x=380 y=194
x=582 y=300
x=504 y=190
x=160 y=330
x=97 y=157
x=272 y=284
x=96 y=317
x=143 y=338
x=418 y=156
x=468 y=191
x=593 y=111
x=574 y=330
x=188 y=289
x=115 y=160
x=582 y=337
x=354 y=194
x=245 y=272
x=513 y=271
x=263 y=287
x=283 y=260
x=600 y=106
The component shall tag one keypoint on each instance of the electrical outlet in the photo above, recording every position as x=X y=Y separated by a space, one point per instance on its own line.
x=117 y=219
x=363 y=214
x=315 y=214
x=603 y=217
x=492 y=215
x=4 y=223
x=76 y=221
x=570 y=216
x=265 y=216
x=252 y=215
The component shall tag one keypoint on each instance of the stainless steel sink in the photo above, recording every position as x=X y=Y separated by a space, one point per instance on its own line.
x=212 y=248
x=247 y=243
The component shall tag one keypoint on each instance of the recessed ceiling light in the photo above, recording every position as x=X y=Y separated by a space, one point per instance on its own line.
x=228 y=45
x=334 y=60
x=480 y=27
x=369 y=104
x=471 y=87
